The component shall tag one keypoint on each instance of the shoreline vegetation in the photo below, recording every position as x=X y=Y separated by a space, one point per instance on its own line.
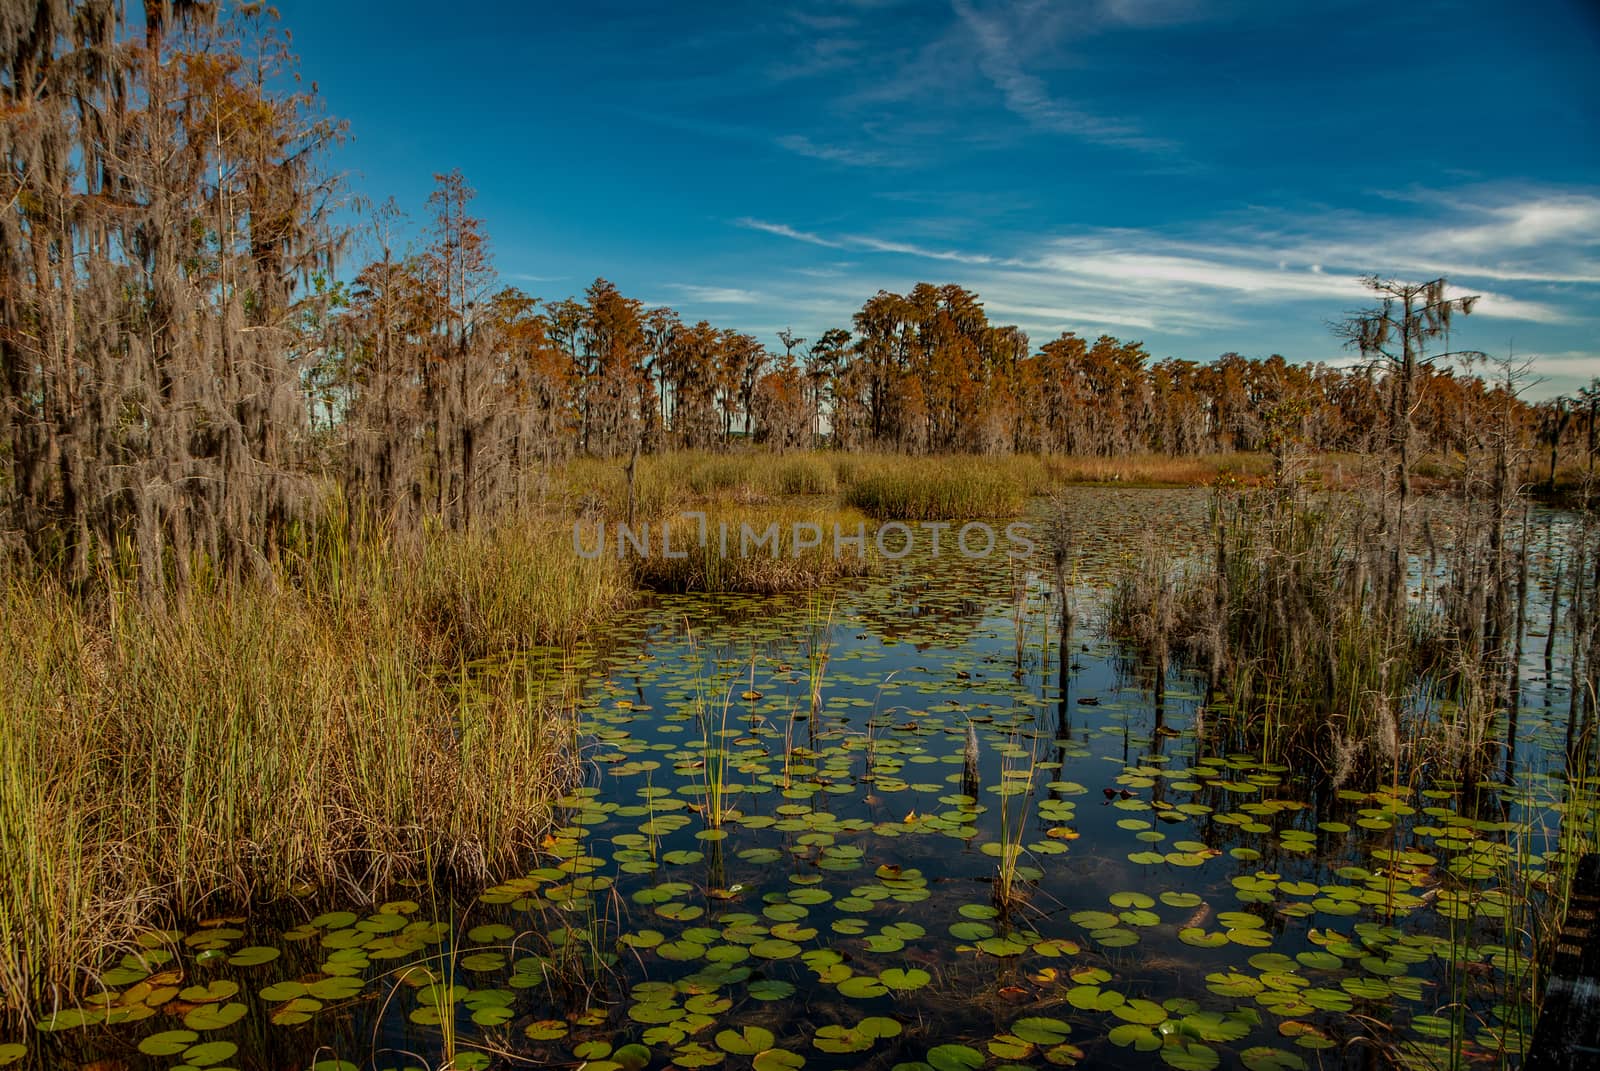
x=325 y=728
x=270 y=535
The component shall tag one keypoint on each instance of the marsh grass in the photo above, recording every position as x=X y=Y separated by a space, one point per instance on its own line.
x=757 y=477
x=818 y=643
x=667 y=483
x=1016 y=783
x=494 y=591
x=946 y=488
x=735 y=555
x=273 y=738
x=1159 y=470
x=711 y=709
x=1289 y=622
x=886 y=486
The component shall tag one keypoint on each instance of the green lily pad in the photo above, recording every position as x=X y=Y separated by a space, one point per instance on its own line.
x=1137 y=1035
x=746 y=1041
x=778 y=1060
x=1041 y=1030
x=1190 y=1056
x=217 y=991
x=1265 y=1058
x=209 y=1053
x=862 y=987
x=214 y=1016
x=914 y=978
x=168 y=1042
x=954 y=1058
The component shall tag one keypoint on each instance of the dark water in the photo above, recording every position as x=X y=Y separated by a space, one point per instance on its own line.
x=1177 y=903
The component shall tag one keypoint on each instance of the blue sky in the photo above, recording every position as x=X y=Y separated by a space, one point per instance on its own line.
x=1204 y=177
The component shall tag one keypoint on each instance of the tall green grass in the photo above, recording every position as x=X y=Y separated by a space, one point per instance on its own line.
x=1287 y=620
x=318 y=732
x=948 y=488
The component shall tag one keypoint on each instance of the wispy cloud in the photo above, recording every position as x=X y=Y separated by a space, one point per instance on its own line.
x=1000 y=56
x=956 y=256
x=839 y=154
x=1068 y=318
x=718 y=295
x=783 y=230
x=1229 y=273
x=1150 y=13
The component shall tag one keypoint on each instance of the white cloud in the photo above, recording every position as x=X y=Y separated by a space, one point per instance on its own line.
x=718 y=295
x=1085 y=320
x=783 y=230
x=1523 y=224
x=1259 y=283
x=838 y=154
x=879 y=245
x=1002 y=50
x=1584 y=363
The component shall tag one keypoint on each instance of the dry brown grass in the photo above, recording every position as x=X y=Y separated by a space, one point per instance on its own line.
x=272 y=737
x=750 y=564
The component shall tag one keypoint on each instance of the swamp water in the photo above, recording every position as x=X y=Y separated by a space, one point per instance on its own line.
x=743 y=879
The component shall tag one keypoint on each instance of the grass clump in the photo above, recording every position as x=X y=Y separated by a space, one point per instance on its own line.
x=1289 y=623
x=753 y=477
x=272 y=738
x=760 y=551
x=727 y=476
x=1157 y=470
x=599 y=487
x=803 y=474
x=934 y=489
x=495 y=590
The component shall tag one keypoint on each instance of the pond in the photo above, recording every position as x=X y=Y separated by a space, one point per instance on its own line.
x=748 y=877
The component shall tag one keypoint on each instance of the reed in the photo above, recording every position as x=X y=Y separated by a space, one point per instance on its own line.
x=1016 y=795
x=496 y=590
x=936 y=489
x=1292 y=622
x=711 y=767
x=751 y=550
x=318 y=731
x=818 y=642
x=1160 y=470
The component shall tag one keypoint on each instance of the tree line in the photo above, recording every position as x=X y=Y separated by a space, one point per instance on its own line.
x=182 y=354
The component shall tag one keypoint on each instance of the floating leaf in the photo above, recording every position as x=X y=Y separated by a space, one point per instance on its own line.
x=168 y=1042
x=1189 y=1056
x=771 y=989
x=778 y=1060
x=216 y=991
x=1265 y=1058
x=954 y=1058
x=862 y=987
x=546 y=1029
x=1011 y=1047
x=631 y=1057
x=746 y=1041
x=209 y=1053
x=914 y=978
x=1137 y=1035
x=1041 y=1030
x=1146 y=1012
x=214 y=1016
